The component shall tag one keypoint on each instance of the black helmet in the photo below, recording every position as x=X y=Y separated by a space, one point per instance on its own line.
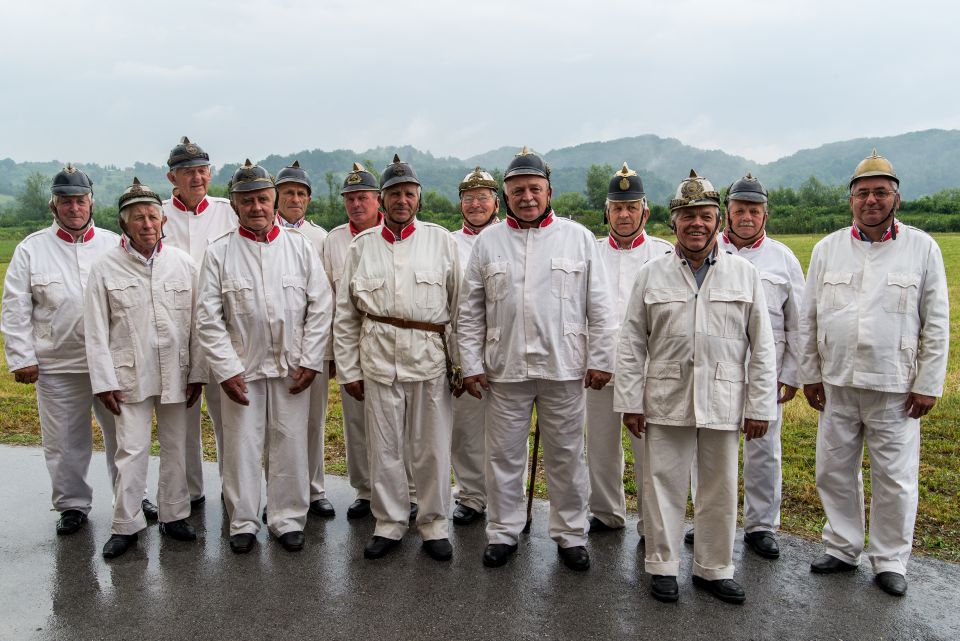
x=527 y=163
x=625 y=186
x=250 y=177
x=359 y=179
x=70 y=181
x=747 y=188
x=187 y=154
x=138 y=193
x=293 y=174
x=396 y=173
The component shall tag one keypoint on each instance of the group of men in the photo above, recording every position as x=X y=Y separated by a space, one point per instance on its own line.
x=446 y=345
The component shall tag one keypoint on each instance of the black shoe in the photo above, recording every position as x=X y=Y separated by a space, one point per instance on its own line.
x=438 y=549
x=596 y=525
x=892 y=583
x=242 y=543
x=664 y=588
x=464 y=515
x=292 y=541
x=827 y=564
x=688 y=537
x=763 y=543
x=200 y=500
x=575 y=558
x=322 y=507
x=150 y=511
x=179 y=530
x=378 y=547
x=70 y=521
x=118 y=544
x=726 y=590
x=497 y=554
x=263 y=517
x=414 y=511
x=359 y=509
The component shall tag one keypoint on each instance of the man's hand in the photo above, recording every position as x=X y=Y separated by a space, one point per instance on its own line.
x=636 y=423
x=236 y=389
x=332 y=369
x=302 y=379
x=754 y=429
x=815 y=395
x=787 y=392
x=28 y=375
x=112 y=401
x=596 y=379
x=919 y=404
x=470 y=384
x=193 y=393
x=354 y=389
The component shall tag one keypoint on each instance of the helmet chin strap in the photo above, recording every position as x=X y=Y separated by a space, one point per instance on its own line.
x=706 y=250
x=484 y=225
x=75 y=230
x=633 y=233
x=888 y=217
x=536 y=221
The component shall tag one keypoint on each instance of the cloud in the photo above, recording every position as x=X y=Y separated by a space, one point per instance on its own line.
x=150 y=71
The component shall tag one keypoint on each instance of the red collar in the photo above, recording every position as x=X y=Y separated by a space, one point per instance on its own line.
x=512 y=223
x=468 y=232
x=887 y=235
x=354 y=231
x=639 y=240
x=405 y=233
x=67 y=238
x=249 y=235
x=757 y=243
x=200 y=208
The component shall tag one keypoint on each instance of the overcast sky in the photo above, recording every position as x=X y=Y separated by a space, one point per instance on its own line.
x=118 y=81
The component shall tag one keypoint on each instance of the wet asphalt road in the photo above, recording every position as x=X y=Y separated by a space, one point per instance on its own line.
x=61 y=588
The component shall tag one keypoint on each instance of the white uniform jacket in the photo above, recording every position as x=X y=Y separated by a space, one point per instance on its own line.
x=42 y=318
x=530 y=299
x=782 y=279
x=192 y=231
x=139 y=321
x=415 y=278
x=263 y=308
x=685 y=356
x=876 y=315
x=317 y=236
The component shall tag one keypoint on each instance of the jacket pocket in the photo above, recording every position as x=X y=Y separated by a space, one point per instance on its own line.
x=493 y=356
x=47 y=289
x=495 y=280
x=370 y=294
x=429 y=294
x=837 y=290
x=728 y=312
x=238 y=295
x=663 y=395
x=901 y=293
x=123 y=292
x=774 y=291
x=124 y=366
x=574 y=345
x=566 y=277
x=667 y=311
x=295 y=294
x=179 y=294
x=728 y=391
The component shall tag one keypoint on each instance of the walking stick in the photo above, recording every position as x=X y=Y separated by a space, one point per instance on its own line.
x=533 y=475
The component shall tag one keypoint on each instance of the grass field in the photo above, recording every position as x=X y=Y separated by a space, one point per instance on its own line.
x=938 y=518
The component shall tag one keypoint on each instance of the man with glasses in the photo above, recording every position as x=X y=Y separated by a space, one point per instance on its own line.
x=875 y=335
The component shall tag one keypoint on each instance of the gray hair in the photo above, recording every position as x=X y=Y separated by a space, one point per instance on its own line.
x=125 y=212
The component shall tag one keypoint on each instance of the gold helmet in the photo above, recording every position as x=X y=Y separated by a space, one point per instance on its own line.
x=478 y=178
x=695 y=191
x=874 y=165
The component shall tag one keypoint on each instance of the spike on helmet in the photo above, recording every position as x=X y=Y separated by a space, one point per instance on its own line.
x=250 y=177
x=294 y=174
x=187 y=154
x=874 y=165
x=478 y=179
x=527 y=163
x=397 y=172
x=694 y=191
x=71 y=181
x=625 y=186
x=359 y=179
x=138 y=193
x=747 y=188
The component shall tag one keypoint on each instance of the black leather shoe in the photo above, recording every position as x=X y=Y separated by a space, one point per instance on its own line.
x=596 y=525
x=292 y=541
x=242 y=543
x=118 y=544
x=150 y=511
x=892 y=583
x=664 y=588
x=200 y=500
x=438 y=549
x=688 y=537
x=179 y=530
x=726 y=590
x=70 y=521
x=414 y=511
x=463 y=515
x=575 y=558
x=359 y=509
x=379 y=546
x=827 y=564
x=497 y=554
x=322 y=507
x=763 y=543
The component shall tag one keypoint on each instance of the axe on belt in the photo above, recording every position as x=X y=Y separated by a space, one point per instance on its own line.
x=533 y=475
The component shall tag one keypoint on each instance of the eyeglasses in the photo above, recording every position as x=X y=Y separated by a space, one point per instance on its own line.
x=482 y=200
x=879 y=194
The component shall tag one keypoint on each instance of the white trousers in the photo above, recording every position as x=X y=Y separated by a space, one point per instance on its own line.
x=468 y=451
x=409 y=424
x=194 y=441
x=64 y=402
x=316 y=424
x=272 y=411
x=851 y=416
x=605 y=458
x=560 y=412
x=133 y=457
x=670 y=451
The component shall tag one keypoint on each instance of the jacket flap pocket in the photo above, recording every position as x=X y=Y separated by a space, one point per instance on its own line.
x=569 y=266
x=773 y=278
x=493 y=334
x=294 y=281
x=909 y=342
x=903 y=279
x=664 y=369
x=175 y=286
x=490 y=269
x=123 y=358
x=367 y=284
x=732 y=372
x=652 y=296
x=45 y=279
x=430 y=278
x=574 y=328
x=730 y=295
x=120 y=283
x=838 y=278
x=236 y=284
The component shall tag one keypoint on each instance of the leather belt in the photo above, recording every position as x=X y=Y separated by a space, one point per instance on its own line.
x=454 y=372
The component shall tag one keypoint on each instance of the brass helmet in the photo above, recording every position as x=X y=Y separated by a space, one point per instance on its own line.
x=527 y=163
x=294 y=174
x=359 y=179
x=476 y=179
x=747 y=188
x=70 y=181
x=695 y=191
x=187 y=154
x=397 y=172
x=625 y=186
x=250 y=177
x=138 y=193
x=874 y=165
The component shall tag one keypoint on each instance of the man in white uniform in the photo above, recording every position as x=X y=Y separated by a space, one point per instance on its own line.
x=193 y=220
x=263 y=320
x=535 y=291
x=139 y=319
x=625 y=250
x=695 y=364
x=479 y=204
x=42 y=324
x=875 y=336
x=293 y=195
x=397 y=297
